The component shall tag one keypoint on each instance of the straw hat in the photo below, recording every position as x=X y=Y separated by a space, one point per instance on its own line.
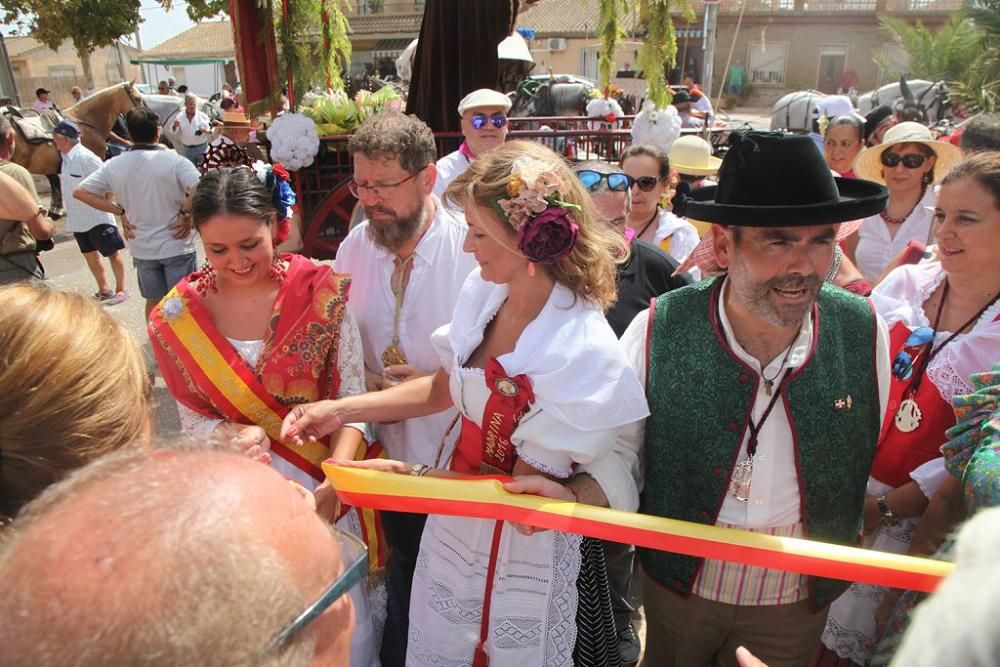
x=692 y=155
x=868 y=164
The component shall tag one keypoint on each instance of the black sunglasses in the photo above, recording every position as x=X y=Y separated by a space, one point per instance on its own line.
x=910 y=160
x=618 y=182
x=497 y=120
x=646 y=183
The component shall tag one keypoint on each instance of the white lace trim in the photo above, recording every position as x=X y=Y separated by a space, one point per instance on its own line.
x=541 y=467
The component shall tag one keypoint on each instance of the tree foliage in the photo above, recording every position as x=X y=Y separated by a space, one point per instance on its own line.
x=88 y=24
x=659 y=49
x=944 y=54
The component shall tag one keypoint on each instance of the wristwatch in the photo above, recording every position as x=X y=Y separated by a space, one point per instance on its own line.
x=888 y=518
x=419 y=469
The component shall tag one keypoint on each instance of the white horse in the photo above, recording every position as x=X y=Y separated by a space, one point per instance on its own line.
x=923 y=101
x=167 y=107
x=796 y=111
x=920 y=100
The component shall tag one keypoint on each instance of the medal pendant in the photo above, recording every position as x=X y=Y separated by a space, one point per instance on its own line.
x=908 y=416
x=739 y=485
x=393 y=356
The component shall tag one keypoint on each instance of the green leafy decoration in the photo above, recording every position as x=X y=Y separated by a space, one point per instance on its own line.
x=659 y=48
x=610 y=32
x=944 y=54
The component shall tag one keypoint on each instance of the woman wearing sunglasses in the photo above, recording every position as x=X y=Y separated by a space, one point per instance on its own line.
x=541 y=383
x=649 y=168
x=944 y=323
x=907 y=162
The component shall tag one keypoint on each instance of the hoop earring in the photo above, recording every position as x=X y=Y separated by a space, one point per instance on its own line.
x=205 y=280
x=278 y=269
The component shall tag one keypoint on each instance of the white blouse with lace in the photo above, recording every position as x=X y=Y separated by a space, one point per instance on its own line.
x=350 y=365
x=583 y=389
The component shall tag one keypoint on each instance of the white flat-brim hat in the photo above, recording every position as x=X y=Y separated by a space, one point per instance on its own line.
x=484 y=97
x=692 y=156
x=868 y=163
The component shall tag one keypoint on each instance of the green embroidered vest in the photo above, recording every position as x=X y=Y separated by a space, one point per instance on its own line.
x=700 y=396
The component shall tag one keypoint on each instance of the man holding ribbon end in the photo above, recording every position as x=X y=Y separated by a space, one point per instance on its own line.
x=788 y=377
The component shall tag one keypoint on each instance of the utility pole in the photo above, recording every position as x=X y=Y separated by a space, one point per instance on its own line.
x=8 y=87
x=711 y=18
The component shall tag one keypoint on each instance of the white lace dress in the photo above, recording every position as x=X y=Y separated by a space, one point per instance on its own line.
x=369 y=602
x=850 y=627
x=584 y=389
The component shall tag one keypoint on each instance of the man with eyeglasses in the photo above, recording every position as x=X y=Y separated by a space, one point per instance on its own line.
x=484 y=127
x=407 y=267
x=194 y=558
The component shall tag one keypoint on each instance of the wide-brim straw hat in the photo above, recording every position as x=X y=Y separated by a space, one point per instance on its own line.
x=868 y=163
x=692 y=156
x=770 y=179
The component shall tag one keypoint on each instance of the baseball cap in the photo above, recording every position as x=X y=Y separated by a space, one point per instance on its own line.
x=67 y=129
x=484 y=97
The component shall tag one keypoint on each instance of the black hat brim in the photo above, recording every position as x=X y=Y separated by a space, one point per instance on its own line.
x=857 y=199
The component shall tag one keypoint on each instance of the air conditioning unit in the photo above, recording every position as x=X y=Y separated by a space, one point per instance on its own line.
x=557 y=44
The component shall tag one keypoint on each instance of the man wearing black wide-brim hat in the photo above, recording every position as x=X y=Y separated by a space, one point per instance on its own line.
x=766 y=389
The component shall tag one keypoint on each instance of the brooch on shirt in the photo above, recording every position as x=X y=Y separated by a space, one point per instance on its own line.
x=844 y=403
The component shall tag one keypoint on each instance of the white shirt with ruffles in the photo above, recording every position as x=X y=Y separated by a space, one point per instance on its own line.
x=584 y=388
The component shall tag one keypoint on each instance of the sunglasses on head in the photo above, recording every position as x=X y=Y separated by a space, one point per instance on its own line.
x=480 y=119
x=617 y=182
x=910 y=160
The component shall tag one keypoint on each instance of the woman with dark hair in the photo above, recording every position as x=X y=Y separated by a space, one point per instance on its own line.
x=254 y=333
x=907 y=162
x=649 y=169
x=842 y=141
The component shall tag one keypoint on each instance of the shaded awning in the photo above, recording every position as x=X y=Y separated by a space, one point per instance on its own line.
x=166 y=60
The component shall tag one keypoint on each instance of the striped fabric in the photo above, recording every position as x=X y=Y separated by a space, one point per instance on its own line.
x=748 y=585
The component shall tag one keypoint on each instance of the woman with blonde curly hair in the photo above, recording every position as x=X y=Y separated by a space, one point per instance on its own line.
x=73 y=386
x=541 y=384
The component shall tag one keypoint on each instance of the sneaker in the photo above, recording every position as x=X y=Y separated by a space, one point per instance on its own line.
x=629 y=646
x=117 y=298
x=104 y=295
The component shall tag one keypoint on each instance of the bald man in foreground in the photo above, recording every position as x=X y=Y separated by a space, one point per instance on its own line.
x=172 y=558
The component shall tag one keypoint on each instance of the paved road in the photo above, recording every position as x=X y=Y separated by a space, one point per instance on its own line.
x=67 y=270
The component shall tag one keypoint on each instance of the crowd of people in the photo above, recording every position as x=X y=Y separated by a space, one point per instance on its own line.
x=788 y=341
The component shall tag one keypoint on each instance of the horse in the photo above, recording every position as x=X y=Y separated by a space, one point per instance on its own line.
x=795 y=112
x=167 y=108
x=556 y=96
x=918 y=100
x=96 y=114
x=33 y=147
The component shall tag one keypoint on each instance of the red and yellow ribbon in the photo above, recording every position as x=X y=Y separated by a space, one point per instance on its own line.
x=485 y=498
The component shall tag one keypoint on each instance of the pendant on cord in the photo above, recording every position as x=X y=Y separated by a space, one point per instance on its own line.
x=908 y=416
x=739 y=485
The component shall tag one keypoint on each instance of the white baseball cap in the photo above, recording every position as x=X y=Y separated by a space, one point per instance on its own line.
x=484 y=97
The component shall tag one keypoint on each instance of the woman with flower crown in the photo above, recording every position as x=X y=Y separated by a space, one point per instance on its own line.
x=254 y=333
x=541 y=384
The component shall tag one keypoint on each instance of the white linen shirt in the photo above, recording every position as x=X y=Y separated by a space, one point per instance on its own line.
x=77 y=164
x=440 y=267
x=774 y=494
x=448 y=169
x=876 y=248
x=151 y=185
x=191 y=125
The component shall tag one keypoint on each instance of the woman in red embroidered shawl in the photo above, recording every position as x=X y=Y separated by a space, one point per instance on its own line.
x=254 y=333
x=944 y=327
x=541 y=384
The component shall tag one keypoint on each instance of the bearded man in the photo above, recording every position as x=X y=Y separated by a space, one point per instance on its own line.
x=788 y=378
x=407 y=267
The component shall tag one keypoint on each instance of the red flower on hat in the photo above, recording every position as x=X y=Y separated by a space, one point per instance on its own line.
x=280 y=172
